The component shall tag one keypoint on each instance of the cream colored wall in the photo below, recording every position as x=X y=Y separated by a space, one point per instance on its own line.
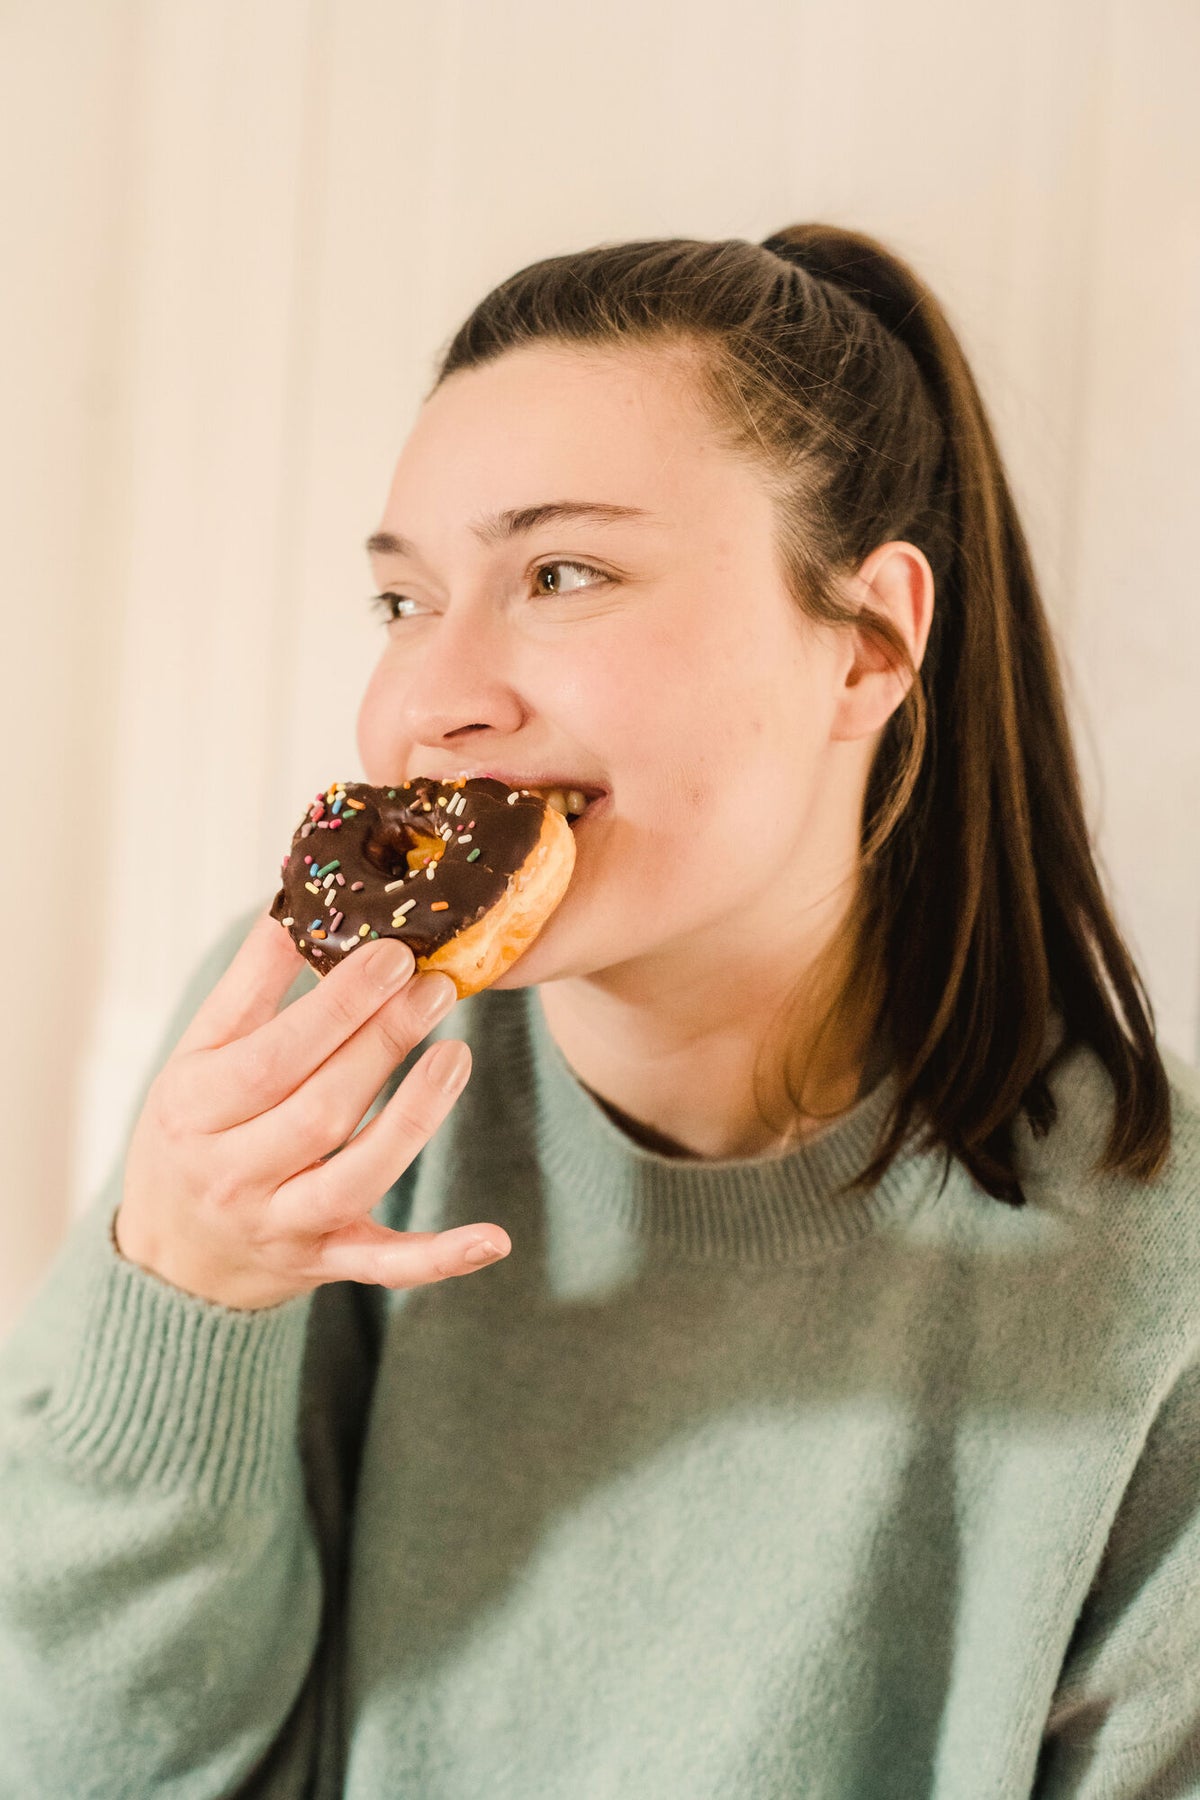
x=239 y=232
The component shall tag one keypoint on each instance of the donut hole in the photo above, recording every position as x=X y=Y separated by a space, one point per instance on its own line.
x=396 y=850
x=425 y=850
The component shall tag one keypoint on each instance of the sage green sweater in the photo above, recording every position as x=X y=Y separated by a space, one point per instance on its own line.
x=716 y=1488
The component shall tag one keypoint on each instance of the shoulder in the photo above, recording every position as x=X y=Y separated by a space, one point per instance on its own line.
x=1147 y=1231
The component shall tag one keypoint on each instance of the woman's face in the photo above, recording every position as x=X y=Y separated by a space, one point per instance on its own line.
x=656 y=656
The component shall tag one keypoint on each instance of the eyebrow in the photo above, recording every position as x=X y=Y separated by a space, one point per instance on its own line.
x=496 y=527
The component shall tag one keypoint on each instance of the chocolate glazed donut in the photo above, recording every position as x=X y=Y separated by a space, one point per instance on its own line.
x=465 y=872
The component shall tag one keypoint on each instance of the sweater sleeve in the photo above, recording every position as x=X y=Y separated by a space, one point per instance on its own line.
x=175 y=1478
x=1125 y=1719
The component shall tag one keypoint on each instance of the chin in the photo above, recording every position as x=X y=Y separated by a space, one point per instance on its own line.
x=551 y=957
x=534 y=965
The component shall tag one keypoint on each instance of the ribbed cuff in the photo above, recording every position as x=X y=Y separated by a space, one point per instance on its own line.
x=170 y=1390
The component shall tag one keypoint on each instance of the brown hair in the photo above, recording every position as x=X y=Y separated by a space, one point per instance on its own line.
x=980 y=920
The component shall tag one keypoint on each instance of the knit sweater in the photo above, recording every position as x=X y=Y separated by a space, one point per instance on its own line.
x=719 y=1487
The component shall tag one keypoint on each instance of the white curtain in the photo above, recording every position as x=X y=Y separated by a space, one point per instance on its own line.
x=237 y=233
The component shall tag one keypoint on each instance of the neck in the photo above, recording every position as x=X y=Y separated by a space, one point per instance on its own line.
x=680 y=1077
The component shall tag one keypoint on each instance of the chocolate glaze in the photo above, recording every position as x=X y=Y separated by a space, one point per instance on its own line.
x=370 y=840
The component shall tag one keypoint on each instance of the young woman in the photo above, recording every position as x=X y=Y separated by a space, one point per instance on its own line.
x=828 y=1423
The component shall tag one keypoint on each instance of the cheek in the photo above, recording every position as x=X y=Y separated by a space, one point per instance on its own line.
x=658 y=706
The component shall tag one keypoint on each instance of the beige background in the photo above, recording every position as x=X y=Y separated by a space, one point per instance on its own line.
x=237 y=231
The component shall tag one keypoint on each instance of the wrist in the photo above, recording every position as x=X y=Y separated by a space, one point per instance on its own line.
x=239 y=1290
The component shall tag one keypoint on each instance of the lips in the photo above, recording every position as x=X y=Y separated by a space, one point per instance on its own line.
x=540 y=784
x=572 y=798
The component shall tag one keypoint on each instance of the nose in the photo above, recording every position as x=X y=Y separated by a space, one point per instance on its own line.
x=458 y=682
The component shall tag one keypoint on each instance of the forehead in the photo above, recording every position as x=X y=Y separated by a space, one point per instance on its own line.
x=623 y=426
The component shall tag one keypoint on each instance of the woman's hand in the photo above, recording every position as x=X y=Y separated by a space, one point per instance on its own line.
x=226 y=1192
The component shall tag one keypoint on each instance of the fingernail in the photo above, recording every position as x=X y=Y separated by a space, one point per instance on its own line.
x=483 y=1250
x=393 y=966
x=433 y=996
x=448 y=1066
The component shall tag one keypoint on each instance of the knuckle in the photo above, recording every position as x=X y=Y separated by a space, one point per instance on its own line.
x=325 y=1128
x=406 y=1120
x=319 y=1195
x=260 y=1071
x=349 y=1003
x=168 y=1101
x=397 y=1031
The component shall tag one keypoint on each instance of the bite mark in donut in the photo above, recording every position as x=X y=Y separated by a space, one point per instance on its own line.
x=465 y=872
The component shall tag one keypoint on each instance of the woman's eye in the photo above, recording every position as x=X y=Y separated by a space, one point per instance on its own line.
x=395 y=607
x=585 y=568
x=389 y=605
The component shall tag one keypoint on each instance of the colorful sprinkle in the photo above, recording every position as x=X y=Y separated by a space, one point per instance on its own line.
x=289 y=921
x=356 y=887
x=320 y=934
x=363 y=930
x=335 y=824
x=473 y=855
x=335 y=921
x=374 y=934
x=440 y=906
x=312 y=887
x=465 y=839
x=391 y=886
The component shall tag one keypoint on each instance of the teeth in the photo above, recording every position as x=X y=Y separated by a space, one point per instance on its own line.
x=564 y=803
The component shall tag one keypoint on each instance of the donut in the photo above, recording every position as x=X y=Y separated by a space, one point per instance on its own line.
x=464 y=872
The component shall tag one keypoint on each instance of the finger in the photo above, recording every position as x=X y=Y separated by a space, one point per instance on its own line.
x=342 y=1190
x=250 y=990
x=247 y=1077
x=323 y=1111
x=403 y=1259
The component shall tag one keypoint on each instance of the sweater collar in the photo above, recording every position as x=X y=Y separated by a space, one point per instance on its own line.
x=760 y=1209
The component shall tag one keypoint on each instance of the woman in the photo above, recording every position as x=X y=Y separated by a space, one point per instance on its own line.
x=828 y=1425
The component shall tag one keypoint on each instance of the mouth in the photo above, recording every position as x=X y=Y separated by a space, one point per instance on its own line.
x=574 y=803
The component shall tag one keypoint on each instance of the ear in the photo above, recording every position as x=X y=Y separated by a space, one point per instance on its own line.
x=897 y=581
